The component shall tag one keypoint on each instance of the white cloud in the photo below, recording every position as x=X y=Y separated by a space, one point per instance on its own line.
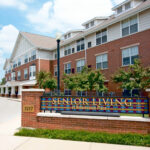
x=67 y=14
x=19 y=4
x=8 y=35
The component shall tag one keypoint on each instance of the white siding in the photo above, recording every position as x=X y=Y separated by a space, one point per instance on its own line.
x=23 y=46
x=114 y=32
x=91 y=38
x=144 y=20
x=47 y=55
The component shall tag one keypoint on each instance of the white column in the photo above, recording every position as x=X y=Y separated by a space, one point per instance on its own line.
x=6 y=90
x=2 y=90
x=12 y=90
x=20 y=90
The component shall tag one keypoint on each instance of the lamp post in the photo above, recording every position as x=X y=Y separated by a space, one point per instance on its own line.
x=58 y=37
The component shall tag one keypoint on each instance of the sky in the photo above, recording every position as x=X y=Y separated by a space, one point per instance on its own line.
x=45 y=17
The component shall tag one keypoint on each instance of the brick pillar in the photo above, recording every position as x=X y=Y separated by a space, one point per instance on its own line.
x=30 y=99
x=148 y=90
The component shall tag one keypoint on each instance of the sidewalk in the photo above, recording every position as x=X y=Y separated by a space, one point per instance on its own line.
x=12 y=99
x=27 y=143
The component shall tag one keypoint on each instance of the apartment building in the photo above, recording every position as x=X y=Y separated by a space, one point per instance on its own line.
x=107 y=43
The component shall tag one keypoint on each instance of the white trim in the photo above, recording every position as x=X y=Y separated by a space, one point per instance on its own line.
x=128 y=46
x=80 y=59
x=122 y=118
x=106 y=52
x=33 y=90
x=147 y=90
x=67 y=62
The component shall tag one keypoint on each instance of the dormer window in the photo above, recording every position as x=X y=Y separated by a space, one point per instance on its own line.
x=87 y=26
x=69 y=35
x=65 y=36
x=128 y=6
x=92 y=23
x=119 y=10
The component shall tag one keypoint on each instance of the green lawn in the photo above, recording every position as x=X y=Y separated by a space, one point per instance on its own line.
x=133 y=115
x=123 y=139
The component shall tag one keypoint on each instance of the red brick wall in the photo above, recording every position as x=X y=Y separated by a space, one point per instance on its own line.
x=44 y=65
x=114 y=55
x=101 y=125
x=22 y=67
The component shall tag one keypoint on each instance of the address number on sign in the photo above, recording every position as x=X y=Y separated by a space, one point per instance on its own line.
x=28 y=108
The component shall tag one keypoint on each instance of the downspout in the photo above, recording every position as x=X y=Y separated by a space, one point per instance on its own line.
x=85 y=51
x=39 y=60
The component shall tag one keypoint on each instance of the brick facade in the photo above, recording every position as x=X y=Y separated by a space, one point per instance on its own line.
x=97 y=125
x=114 y=51
x=21 y=68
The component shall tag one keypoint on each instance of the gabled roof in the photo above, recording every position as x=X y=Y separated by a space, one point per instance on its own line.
x=40 y=41
x=6 y=62
x=95 y=18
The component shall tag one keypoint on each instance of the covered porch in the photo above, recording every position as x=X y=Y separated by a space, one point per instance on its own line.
x=13 y=89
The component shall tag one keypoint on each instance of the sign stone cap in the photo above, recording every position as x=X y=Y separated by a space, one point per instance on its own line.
x=33 y=90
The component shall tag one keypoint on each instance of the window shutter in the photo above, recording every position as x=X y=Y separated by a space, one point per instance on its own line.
x=89 y=66
x=72 y=70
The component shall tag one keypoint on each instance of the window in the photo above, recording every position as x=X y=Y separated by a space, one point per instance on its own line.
x=81 y=93
x=80 y=45
x=129 y=55
x=127 y=6
x=67 y=68
x=19 y=62
x=87 y=26
x=101 y=37
x=26 y=59
x=25 y=73
x=73 y=50
x=14 y=65
x=32 y=71
x=33 y=55
x=9 y=69
x=102 y=61
x=13 y=76
x=80 y=65
x=92 y=23
x=55 y=55
x=69 y=35
x=129 y=26
x=55 y=71
x=18 y=75
x=119 y=10
x=89 y=44
x=67 y=92
x=65 y=36
x=67 y=50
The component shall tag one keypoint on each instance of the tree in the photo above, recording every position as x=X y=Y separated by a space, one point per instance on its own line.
x=3 y=81
x=45 y=80
x=86 y=80
x=50 y=84
x=41 y=77
x=137 y=77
